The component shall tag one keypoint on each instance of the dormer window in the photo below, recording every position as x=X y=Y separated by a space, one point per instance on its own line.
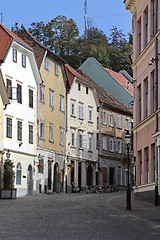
x=23 y=60
x=14 y=55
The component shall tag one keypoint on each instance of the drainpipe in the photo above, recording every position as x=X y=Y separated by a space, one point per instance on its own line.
x=156 y=101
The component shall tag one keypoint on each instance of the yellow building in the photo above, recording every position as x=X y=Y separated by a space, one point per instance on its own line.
x=51 y=116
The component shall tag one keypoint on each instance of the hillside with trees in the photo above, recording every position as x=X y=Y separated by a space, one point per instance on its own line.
x=61 y=35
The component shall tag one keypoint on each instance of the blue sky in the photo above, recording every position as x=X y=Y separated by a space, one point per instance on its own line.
x=103 y=13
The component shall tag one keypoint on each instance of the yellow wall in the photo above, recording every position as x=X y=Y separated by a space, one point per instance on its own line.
x=46 y=112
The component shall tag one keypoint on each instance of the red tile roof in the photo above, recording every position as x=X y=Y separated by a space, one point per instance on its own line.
x=72 y=73
x=38 y=47
x=6 y=37
x=106 y=98
x=121 y=79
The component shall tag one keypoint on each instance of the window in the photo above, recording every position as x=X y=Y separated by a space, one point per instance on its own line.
x=73 y=108
x=42 y=130
x=19 y=93
x=19 y=131
x=42 y=94
x=31 y=134
x=86 y=90
x=18 y=173
x=56 y=69
x=97 y=141
x=23 y=60
x=30 y=98
x=79 y=87
x=41 y=165
x=9 y=128
x=14 y=55
x=119 y=121
x=153 y=91
x=104 y=142
x=81 y=111
x=90 y=114
x=90 y=148
x=119 y=146
x=146 y=159
x=146 y=97
x=146 y=26
x=140 y=165
x=111 y=119
x=139 y=101
x=126 y=124
x=111 y=145
x=51 y=98
x=139 y=37
x=62 y=103
x=73 y=142
x=80 y=140
x=51 y=133
x=61 y=136
x=9 y=88
x=47 y=64
x=104 y=117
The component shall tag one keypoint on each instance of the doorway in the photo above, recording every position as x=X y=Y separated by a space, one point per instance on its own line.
x=49 y=175
x=29 y=180
x=79 y=175
x=56 y=181
x=89 y=176
x=111 y=176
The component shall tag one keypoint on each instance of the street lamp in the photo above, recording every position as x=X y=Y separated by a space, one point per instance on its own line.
x=8 y=154
x=128 y=192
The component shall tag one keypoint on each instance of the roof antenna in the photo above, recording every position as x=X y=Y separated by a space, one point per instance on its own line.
x=85 y=17
x=2 y=17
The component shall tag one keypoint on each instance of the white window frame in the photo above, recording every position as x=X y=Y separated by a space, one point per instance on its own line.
x=42 y=94
x=19 y=130
x=47 y=63
x=119 y=146
x=62 y=103
x=51 y=132
x=73 y=112
x=61 y=136
x=126 y=124
x=51 y=98
x=80 y=140
x=24 y=60
x=31 y=132
x=18 y=173
x=111 y=119
x=119 y=121
x=42 y=130
x=90 y=113
x=73 y=138
x=111 y=145
x=14 y=55
x=104 y=117
x=90 y=142
x=104 y=142
x=56 y=69
x=80 y=109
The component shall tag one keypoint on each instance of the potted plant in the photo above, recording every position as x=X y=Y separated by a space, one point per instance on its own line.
x=71 y=166
x=124 y=160
x=8 y=190
x=40 y=166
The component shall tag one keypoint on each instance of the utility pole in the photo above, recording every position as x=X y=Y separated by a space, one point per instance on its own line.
x=85 y=18
x=2 y=17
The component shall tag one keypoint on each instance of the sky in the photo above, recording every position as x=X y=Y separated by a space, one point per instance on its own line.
x=104 y=14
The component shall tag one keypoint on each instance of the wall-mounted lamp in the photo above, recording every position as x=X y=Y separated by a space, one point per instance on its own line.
x=8 y=154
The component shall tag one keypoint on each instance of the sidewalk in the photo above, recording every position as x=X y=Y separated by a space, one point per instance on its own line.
x=140 y=209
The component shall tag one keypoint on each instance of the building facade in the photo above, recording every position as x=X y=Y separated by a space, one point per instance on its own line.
x=19 y=119
x=146 y=45
x=51 y=119
x=81 y=135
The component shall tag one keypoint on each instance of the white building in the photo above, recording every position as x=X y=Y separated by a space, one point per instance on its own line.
x=81 y=149
x=19 y=119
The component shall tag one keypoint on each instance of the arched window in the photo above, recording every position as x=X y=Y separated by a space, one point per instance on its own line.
x=18 y=173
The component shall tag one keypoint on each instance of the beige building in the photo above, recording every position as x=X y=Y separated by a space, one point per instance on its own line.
x=51 y=117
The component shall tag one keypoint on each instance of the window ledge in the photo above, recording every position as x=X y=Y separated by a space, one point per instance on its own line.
x=90 y=122
x=73 y=116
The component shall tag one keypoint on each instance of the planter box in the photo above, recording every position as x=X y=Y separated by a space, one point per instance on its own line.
x=8 y=194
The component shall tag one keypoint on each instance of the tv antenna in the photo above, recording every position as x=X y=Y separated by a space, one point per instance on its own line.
x=85 y=17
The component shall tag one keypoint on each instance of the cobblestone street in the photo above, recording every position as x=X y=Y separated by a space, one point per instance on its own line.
x=72 y=216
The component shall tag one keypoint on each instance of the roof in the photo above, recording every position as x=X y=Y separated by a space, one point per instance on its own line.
x=38 y=47
x=72 y=73
x=6 y=37
x=100 y=75
x=106 y=98
x=122 y=80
